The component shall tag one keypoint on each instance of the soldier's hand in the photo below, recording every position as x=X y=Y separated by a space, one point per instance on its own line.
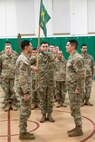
x=77 y=91
x=0 y=80
x=26 y=97
x=34 y=68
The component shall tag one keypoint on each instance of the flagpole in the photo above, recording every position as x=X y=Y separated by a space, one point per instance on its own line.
x=37 y=60
x=38 y=43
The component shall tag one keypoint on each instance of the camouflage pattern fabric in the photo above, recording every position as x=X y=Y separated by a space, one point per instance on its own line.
x=89 y=67
x=46 y=81
x=75 y=73
x=35 y=95
x=60 y=78
x=7 y=74
x=24 y=86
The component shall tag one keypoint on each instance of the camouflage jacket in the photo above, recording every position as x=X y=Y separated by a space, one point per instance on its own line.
x=89 y=65
x=46 y=68
x=75 y=71
x=60 y=73
x=23 y=75
x=7 y=65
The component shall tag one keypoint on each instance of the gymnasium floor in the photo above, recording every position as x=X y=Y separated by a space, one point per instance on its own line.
x=49 y=132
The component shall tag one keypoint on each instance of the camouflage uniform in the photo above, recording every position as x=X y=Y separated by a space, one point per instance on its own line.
x=7 y=74
x=23 y=86
x=54 y=80
x=89 y=67
x=60 y=78
x=35 y=95
x=74 y=78
x=46 y=78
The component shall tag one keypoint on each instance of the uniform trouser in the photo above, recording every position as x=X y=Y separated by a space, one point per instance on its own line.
x=46 y=99
x=9 y=93
x=88 y=85
x=60 y=91
x=25 y=112
x=35 y=95
x=75 y=102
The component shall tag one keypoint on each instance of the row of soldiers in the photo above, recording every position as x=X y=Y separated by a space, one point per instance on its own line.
x=45 y=80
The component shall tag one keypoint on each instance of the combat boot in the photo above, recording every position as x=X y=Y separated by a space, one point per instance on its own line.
x=26 y=136
x=77 y=132
x=49 y=117
x=33 y=106
x=63 y=105
x=6 y=108
x=58 y=106
x=88 y=103
x=13 y=107
x=69 y=131
x=43 y=119
x=38 y=105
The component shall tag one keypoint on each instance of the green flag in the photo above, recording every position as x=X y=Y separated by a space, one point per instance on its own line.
x=44 y=18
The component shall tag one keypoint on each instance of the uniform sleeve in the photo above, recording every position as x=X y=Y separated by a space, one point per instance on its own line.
x=0 y=65
x=80 y=72
x=92 y=67
x=23 y=78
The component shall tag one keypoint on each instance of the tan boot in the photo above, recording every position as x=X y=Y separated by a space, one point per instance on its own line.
x=77 y=132
x=49 y=117
x=58 y=104
x=69 y=131
x=63 y=105
x=33 y=106
x=26 y=136
x=88 y=103
x=38 y=105
x=13 y=107
x=6 y=108
x=43 y=119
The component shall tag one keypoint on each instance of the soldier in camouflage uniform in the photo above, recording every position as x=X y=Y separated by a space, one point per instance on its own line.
x=23 y=87
x=75 y=73
x=35 y=95
x=46 y=82
x=89 y=67
x=8 y=59
x=60 y=78
x=54 y=50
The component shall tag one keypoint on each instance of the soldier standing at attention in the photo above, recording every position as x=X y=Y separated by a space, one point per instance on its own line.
x=60 y=78
x=75 y=85
x=23 y=87
x=35 y=95
x=89 y=67
x=46 y=80
x=8 y=59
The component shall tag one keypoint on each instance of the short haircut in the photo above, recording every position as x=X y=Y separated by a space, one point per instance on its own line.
x=44 y=42
x=83 y=45
x=24 y=43
x=7 y=42
x=74 y=43
x=34 y=48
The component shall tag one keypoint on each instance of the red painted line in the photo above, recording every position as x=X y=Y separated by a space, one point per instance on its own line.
x=92 y=133
x=9 y=127
x=36 y=127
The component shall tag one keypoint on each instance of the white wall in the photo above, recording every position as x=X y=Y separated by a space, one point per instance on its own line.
x=91 y=16
x=76 y=17
x=61 y=16
x=2 y=18
x=16 y=16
